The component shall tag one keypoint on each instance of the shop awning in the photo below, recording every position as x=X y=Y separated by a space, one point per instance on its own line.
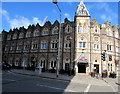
x=82 y=59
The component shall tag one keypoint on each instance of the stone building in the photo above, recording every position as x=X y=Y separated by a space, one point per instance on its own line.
x=82 y=43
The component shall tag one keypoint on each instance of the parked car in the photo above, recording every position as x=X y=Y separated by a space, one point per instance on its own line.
x=6 y=66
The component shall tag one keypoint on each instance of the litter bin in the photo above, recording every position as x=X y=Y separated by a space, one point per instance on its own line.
x=37 y=70
x=92 y=74
x=113 y=75
x=104 y=75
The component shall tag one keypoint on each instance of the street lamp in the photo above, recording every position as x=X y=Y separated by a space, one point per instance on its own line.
x=106 y=59
x=58 y=56
x=70 y=56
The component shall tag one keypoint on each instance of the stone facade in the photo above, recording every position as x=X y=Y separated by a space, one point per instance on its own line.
x=79 y=38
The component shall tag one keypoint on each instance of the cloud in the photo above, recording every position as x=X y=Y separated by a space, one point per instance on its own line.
x=4 y=13
x=67 y=15
x=109 y=13
x=103 y=17
x=19 y=21
x=36 y=20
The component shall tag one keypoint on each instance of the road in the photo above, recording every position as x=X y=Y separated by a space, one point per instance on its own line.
x=12 y=82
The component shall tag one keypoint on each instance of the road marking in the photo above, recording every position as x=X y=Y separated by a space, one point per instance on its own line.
x=54 y=88
x=50 y=87
x=88 y=87
x=11 y=72
x=112 y=88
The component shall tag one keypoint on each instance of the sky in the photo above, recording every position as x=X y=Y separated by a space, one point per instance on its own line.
x=17 y=14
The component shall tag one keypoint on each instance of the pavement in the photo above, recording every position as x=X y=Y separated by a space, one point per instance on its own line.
x=43 y=74
x=78 y=78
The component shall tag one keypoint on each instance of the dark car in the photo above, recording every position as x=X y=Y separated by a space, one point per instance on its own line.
x=6 y=66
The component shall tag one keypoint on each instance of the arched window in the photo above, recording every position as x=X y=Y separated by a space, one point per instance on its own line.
x=53 y=63
x=68 y=29
x=67 y=44
x=42 y=63
x=82 y=43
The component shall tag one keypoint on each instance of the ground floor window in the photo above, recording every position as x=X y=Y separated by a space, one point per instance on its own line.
x=53 y=64
x=42 y=63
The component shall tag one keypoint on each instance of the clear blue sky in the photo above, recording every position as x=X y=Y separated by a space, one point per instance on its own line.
x=25 y=13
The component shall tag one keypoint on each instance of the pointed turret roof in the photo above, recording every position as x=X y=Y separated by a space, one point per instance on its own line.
x=82 y=10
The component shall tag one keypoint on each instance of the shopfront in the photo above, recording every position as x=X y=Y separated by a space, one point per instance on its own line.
x=82 y=64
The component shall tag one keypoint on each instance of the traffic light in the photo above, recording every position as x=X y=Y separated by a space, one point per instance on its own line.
x=110 y=57
x=103 y=56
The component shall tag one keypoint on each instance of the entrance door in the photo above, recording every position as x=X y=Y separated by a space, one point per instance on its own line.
x=96 y=68
x=81 y=68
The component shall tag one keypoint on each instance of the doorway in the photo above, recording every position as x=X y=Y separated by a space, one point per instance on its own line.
x=96 y=66
x=81 y=68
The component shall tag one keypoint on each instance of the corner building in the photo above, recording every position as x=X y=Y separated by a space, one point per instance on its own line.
x=82 y=43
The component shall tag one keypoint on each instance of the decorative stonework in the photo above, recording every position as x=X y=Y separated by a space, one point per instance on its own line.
x=82 y=10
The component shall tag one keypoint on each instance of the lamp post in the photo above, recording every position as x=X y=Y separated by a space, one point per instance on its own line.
x=58 y=56
x=106 y=59
x=70 y=56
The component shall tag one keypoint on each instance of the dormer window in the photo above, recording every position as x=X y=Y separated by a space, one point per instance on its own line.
x=45 y=31
x=55 y=30
x=36 y=33
x=96 y=29
x=15 y=36
x=28 y=34
x=109 y=32
x=21 y=35
x=8 y=37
